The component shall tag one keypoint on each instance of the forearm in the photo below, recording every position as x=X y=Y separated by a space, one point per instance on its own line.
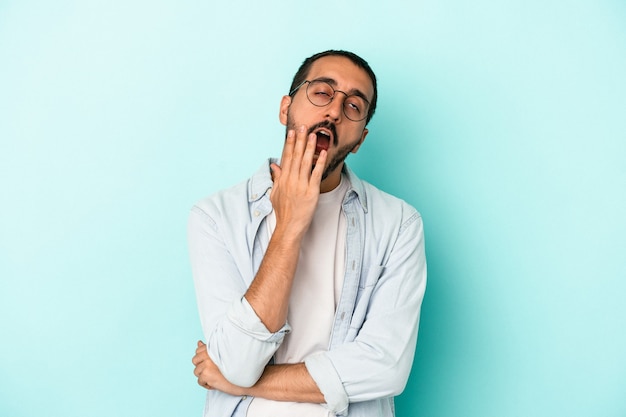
x=288 y=382
x=269 y=292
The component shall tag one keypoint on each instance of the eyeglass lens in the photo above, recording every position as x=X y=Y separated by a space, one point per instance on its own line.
x=320 y=93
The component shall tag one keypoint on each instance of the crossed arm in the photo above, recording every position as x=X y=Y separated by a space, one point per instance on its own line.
x=289 y=382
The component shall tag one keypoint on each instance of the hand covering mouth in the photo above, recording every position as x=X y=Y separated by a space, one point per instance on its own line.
x=326 y=134
x=323 y=141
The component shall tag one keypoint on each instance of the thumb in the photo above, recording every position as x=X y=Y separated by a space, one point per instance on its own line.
x=276 y=171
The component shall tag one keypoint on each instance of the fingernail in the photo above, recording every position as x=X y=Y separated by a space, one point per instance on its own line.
x=301 y=128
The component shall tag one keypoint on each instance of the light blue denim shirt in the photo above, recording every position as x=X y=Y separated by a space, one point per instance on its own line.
x=374 y=332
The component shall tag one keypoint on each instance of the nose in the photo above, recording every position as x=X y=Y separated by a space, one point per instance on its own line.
x=334 y=109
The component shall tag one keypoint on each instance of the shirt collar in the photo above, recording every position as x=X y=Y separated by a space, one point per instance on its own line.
x=356 y=187
x=261 y=181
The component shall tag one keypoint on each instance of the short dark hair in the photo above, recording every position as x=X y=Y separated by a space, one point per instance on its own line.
x=304 y=69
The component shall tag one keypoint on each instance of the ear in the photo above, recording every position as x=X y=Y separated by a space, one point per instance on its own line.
x=358 y=145
x=284 y=109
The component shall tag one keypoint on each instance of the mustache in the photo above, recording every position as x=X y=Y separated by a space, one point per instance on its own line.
x=327 y=125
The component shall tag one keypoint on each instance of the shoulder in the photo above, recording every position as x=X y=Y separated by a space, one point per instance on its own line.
x=385 y=207
x=220 y=201
x=390 y=226
x=382 y=206
x=236 y=199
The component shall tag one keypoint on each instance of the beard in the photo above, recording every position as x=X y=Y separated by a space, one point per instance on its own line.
x=341 y=153
x=339 y=158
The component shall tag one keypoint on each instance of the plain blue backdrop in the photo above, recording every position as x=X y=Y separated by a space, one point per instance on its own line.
x=502 y=122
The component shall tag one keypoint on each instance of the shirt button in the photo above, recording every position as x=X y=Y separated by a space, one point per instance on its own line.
x=343 y=315
x=254 y=196
x=245 y=397
x=256 y=213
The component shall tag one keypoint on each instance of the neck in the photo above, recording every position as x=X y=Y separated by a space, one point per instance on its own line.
x=332 y=180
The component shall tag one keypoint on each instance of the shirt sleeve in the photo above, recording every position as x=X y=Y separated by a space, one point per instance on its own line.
x=377 y=363
x=237 y=341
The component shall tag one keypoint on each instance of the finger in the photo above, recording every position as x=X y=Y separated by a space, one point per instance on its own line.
x=298 y=151
x=307 y=158
x=200 y=356
x=201 y=348
x=276 y=171
x=199 y=369
x=203 y=379
x=204 y=384
x=285 y=160
x=197 y=359
x=318 y=171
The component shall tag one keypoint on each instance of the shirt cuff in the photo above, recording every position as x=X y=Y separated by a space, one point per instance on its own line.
x=325 y=376
x=242 y=315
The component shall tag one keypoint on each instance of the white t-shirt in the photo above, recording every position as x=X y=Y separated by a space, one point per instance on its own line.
x=315 y=291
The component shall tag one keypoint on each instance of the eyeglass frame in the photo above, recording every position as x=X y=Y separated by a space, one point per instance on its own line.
x=306 y=93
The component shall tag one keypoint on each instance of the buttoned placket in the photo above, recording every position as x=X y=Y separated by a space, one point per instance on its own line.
x=354 y=249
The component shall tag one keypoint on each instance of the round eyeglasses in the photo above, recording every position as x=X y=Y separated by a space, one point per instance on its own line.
x=320 y=94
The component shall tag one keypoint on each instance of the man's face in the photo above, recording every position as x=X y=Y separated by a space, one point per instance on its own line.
x=336 y=133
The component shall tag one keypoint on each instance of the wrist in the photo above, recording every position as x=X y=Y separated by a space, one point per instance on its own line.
x=288 y=236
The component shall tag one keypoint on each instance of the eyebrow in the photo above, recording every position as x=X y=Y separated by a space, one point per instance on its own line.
x=353 y=92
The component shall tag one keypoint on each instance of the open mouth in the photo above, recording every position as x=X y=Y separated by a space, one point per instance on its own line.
x=323 y=140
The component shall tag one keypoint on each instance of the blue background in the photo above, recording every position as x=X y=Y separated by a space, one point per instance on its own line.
x=502 y=122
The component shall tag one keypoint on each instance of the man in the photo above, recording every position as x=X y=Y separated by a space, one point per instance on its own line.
x=309 y=280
